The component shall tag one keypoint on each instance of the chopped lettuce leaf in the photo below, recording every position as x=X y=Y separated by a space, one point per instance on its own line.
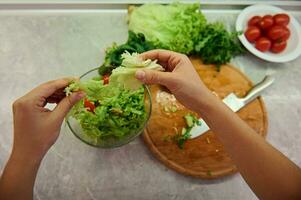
x=191 y=120
x=119 y=109
x=181 y=138
x=94 y=89
x=125 y=74
x=117 y=114
x=134 y=43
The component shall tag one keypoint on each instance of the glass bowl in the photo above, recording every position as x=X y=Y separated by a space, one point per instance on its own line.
x=111 y=142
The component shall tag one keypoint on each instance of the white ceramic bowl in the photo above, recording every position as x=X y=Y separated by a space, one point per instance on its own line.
x=293 y=49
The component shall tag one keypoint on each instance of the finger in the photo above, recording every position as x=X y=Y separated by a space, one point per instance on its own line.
x=155 y=77
x=159 y=54
x=64 y=106
x=47 y=89
x=56 y=97
x=166 y=58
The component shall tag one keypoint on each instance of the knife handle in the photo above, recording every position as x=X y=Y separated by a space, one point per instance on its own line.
x=259 y=87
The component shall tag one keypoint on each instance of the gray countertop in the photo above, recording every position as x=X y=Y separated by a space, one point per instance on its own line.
x=36 y=46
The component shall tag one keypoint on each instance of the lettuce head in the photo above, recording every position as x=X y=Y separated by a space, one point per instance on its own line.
x=175 y=27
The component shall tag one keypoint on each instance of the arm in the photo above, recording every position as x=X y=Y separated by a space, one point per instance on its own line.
x=266 y=170
x=18 y=177
x=35 y=130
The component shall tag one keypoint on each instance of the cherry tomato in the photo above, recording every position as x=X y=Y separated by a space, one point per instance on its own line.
x=278 y=33
x=89 y=105
x=266 y=22
x=254 y=21
x=281 y=19
x=106 y=79
x=252 y=33
x=278 y=47
x=263 y=44
x=287 y=34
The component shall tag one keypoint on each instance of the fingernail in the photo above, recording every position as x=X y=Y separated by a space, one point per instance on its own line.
x=140 y=74
x=80 y=95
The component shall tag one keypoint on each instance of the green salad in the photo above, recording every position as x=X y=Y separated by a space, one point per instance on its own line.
x=112 y=108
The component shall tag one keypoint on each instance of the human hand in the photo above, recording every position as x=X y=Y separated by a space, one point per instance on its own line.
x=180 y=78
x=36 y=128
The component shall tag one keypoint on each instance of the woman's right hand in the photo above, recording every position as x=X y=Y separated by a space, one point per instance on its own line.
x=180 y=78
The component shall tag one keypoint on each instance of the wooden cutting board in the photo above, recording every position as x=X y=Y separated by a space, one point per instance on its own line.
x=204 y=156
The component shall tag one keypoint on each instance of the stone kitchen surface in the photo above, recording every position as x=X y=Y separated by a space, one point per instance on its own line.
x=36 y=46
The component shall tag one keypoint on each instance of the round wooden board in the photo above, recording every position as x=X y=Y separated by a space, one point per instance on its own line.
x=204 y=156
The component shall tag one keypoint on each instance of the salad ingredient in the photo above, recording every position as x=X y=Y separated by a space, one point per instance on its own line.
x=105 y=79
x=175 y=27
x=266 y=22
x=181 y=138
x=281 y=19
x=278 y=47
x=125 y=74
x=135 y=43
x=190 y=120
x=89 y=105
x=94 y=89
x=217 y=46
x=114 y=105
x=278 y=33
x=208 y=140
x=116 y=116
x=263 y=44
x=183 y=28
x=254 y=21
x=252 y=33
x=273 y=32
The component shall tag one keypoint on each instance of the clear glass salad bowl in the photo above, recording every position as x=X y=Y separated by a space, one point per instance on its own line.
x=111 y=142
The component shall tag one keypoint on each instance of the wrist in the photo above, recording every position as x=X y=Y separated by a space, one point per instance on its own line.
x=208 y=103
x=21 y=156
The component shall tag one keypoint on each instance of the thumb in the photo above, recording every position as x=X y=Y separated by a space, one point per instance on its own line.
x=63 y=107
x=154 y=77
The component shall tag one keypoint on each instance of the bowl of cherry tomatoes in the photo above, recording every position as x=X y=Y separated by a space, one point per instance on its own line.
x=270 y=33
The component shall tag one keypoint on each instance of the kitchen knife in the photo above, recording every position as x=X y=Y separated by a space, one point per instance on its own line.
x=235 y=104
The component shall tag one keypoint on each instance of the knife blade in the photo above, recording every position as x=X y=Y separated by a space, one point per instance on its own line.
x=235 y=104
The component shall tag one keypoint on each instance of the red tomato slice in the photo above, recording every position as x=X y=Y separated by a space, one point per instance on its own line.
x=266 y=22
x=263 y=44
x=89 y=105
x=281 y=19
x=106 y=79
x=252 y=33
x=278 y=33
x=278 y=47
x=254 y=21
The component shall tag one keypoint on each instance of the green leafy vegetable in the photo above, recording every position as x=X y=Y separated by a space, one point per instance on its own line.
x=95 y=90
x=183 y=28
x=175 y=27
x=115 y=109
x=125 y=74
x=113 y=59
x=182 y=137
x=217 y=46
x=116 y=116
x=191 y=120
